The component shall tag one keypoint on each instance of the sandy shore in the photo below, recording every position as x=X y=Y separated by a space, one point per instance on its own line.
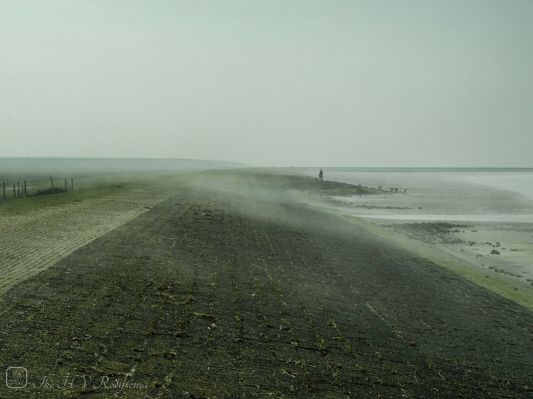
x=232 y=288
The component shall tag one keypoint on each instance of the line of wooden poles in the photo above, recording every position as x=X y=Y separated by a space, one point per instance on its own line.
x=20 y=189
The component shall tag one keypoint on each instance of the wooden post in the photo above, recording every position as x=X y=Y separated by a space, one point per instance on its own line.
x=71 y=184
x=4 y=190
x=14 y=191
x=25 y=189
x=65 y=184
x=18 y=189
x=52 y=181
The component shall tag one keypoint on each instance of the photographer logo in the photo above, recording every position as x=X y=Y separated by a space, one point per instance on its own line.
x=16 y=377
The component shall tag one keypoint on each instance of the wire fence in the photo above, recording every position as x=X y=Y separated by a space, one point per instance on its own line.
x=13 y=188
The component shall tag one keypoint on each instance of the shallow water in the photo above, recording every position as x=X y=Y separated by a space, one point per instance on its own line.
x=518 y=182
x=442 y=194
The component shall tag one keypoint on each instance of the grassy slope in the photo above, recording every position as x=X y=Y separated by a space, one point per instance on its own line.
x=86 y=188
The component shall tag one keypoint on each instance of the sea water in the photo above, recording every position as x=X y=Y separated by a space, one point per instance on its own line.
x=477 y=195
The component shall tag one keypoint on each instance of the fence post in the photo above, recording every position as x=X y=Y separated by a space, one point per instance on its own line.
x=18 y=188
x=65 y=184
x=25 y=189
x=14 y=191
x=71 y=184
x=4 y=190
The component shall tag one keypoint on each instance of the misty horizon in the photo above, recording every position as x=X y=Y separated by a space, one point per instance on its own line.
x=231 y=163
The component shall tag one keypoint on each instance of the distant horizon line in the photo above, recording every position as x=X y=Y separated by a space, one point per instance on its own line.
x=263 y=166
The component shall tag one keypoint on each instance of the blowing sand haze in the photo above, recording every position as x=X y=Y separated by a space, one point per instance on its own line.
x=266 y=199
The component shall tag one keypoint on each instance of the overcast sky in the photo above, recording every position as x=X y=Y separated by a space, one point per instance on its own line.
x=288 y=82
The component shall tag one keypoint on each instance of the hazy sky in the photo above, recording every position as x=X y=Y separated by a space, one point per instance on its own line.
x=288 y=82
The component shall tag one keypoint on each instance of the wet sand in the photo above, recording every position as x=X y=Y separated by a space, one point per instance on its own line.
x=233 y=287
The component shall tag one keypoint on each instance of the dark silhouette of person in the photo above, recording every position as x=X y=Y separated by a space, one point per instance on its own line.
x=321 y=174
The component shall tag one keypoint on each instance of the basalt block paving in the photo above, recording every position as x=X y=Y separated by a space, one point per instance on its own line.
x=194 y=299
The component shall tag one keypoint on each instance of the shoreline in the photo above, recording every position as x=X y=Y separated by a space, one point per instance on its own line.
x=504 y=284
x=487 y=247
x=498 y=279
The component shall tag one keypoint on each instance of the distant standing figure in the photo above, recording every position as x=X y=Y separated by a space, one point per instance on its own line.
x=321 y=175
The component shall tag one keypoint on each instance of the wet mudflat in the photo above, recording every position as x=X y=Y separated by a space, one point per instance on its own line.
x=202 y=297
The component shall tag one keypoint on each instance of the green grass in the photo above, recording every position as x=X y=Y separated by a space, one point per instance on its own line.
x=86 y=188
x=50 y=191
